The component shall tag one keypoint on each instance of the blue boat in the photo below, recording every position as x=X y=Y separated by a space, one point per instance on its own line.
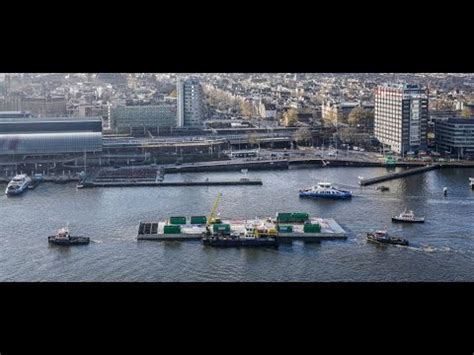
x=327 y=191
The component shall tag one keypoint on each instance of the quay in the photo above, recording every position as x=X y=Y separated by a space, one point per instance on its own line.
x=392 y=176
x=130 y=183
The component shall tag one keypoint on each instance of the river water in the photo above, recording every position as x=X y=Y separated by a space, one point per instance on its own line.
x=440 y=250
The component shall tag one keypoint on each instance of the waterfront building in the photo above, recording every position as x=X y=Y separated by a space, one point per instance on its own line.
x=14 y=114
x=455 y=136
x=50 y=136
x=140 y=119
x=189 y=103
x=401 y=116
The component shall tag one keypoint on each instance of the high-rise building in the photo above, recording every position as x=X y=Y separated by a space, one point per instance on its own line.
x=189 y=97
x=401 y=116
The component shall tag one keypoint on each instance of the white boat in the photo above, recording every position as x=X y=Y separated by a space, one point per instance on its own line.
x=18 y=185
x=325 y=190
x=408 y=217
x=471 y=182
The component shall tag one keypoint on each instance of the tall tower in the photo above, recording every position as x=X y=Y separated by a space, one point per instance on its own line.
x=401 y=116
x=189 y=103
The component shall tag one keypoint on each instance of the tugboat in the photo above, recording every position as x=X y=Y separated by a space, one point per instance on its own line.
x=408 y=217
x=382 y=237
x=18 y=185
x=325 y=190
x=63 y=237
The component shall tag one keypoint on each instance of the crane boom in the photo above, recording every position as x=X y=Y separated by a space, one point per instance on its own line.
x=212 y=215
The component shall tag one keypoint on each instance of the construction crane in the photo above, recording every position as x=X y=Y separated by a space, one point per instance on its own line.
x=212 y=216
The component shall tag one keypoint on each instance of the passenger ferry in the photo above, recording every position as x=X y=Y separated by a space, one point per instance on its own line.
x=325 y=190
x=18 y=185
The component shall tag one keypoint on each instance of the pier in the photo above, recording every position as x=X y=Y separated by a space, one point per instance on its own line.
x=129 y=183
x=375 y=180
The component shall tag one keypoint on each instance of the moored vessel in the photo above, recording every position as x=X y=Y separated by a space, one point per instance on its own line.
x=18 y=185
x=382 y=237
x=325 y=190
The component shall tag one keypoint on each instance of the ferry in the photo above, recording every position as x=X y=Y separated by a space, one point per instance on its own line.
x=382 y=237
x=18 y=185
x=63 y=237
x=408 y=217
x=325 y=190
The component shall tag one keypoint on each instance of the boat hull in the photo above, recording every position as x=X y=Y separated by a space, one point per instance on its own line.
x=237 y=243
x=325 y=196
x=16 y=192
x=71 y=241
x=390 y=240
x=400 y=220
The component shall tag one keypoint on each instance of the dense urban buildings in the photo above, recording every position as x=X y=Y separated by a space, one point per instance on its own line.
x=455 y=136
x=190 y=97
x=401 y=116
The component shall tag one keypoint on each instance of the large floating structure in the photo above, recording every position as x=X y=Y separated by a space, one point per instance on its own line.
x=285 y=227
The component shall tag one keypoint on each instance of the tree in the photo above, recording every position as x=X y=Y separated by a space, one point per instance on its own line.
x=302 y=135
x=246 y=108
x=290 y=117
x=357 y=115
x=253 y=139
x=466 y=112
x=330 y=118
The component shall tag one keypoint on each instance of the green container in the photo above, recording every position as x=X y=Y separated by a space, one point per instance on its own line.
x=178 y=220
x=299 y=216
x=283 y=217
x=223 y=228
x=171 y=229
x=312 y=228
x=282 y=228
x=198 y=219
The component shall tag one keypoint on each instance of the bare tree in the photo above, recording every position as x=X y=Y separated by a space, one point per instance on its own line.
x=290 y=117
x=302 y=135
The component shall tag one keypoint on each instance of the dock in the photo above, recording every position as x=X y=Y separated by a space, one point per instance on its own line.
x=130 y=183
x=330 y=230
x=392 y=176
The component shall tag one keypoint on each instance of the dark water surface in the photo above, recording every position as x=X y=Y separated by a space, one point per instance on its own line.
x=440 y=250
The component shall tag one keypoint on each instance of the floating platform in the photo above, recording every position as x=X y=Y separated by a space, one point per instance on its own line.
x=128 y=183
x=330 y=230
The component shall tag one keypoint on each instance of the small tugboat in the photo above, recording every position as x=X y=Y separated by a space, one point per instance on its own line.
x=382 y=237
x=325 y=190
x=408 y=217
x=63 y=237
